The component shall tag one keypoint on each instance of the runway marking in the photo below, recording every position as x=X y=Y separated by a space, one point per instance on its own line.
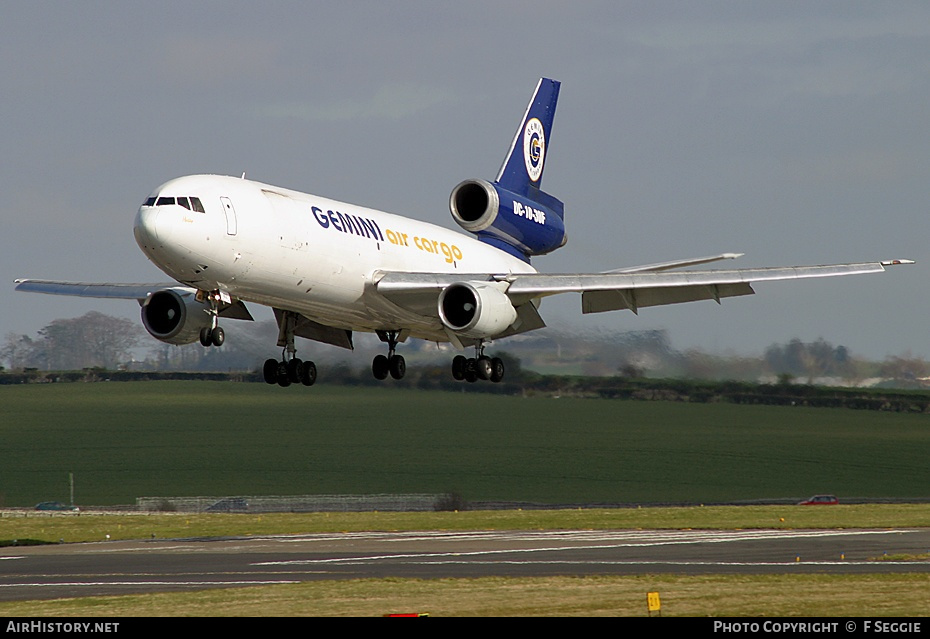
x=676 y=563
x=134 y=548
x=627 y=539
x=687 y=535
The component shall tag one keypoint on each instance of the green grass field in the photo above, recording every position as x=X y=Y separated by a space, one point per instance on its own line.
x=125 y=440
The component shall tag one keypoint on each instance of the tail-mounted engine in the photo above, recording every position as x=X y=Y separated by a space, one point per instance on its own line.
x=532 y=226
x=476 y=309
x=175 y=317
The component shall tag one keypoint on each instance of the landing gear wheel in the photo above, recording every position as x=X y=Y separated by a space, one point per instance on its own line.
x=458 y=367
x=390 y=364
x=308 y=374
x=497 y=370
x=270 y=371
x=483 y=367
x=281 y=376
x=380 y=366
x=294 y=369
x=206 y=336
x=218 y=336
x=471 y=372
x=398 y=367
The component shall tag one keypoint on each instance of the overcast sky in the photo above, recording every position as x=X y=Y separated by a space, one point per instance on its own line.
x=796 y=132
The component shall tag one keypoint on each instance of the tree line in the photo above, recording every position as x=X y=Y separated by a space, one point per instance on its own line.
x=99 y=341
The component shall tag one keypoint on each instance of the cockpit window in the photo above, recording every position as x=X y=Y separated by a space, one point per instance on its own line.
x=190 y=203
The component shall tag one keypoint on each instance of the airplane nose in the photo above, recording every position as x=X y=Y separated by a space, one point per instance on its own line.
x=145 y=228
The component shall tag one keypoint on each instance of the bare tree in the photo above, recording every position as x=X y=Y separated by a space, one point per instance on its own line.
x=814 y=359
x=905 y=367
x=18 y=351
x=93 y=339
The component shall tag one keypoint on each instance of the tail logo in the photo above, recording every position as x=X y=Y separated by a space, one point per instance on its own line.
x=534 y=148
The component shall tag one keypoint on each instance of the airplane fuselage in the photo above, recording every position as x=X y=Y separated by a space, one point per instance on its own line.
x=301 y=252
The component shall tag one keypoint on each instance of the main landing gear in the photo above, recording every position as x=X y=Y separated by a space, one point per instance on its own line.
x=471 y=369
x=290 y=370
x=392 y=364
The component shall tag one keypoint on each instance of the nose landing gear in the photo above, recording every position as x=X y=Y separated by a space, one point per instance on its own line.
x=213 y=335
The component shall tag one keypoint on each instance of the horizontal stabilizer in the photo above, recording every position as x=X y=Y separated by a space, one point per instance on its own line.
x=666 y=266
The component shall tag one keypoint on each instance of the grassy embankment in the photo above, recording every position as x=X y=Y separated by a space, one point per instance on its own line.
x=51 y=528
x=127 y=440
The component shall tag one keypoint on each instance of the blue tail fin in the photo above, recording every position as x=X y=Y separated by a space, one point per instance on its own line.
x=514 y=214
x=522 y=170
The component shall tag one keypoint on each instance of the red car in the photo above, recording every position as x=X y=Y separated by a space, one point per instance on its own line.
x=820 y=500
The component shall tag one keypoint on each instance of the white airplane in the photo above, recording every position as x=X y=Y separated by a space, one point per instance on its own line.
x=329 y=268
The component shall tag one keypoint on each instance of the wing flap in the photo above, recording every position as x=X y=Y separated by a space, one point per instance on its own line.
x=539 y=285
x=309 y=329
x=634 y=299
x=528 y=319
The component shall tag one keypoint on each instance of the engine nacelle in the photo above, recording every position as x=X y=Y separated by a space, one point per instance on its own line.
x=476 y=309
x=175 y=317
x=532 y=226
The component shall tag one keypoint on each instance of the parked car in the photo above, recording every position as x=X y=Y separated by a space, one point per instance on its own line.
x=54 y=505
x=820 y=500
x=230 y=505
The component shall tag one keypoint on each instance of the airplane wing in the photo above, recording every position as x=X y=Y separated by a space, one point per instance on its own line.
x=630 y=288
x=633 y=289
x=139 y=292
x=88 y=289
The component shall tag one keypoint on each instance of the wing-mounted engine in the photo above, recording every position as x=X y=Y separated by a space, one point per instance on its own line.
x=175 y=316
x=477 y=310
x=508 y=220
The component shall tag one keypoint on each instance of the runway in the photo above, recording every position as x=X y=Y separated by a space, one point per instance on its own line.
x=76 y=570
